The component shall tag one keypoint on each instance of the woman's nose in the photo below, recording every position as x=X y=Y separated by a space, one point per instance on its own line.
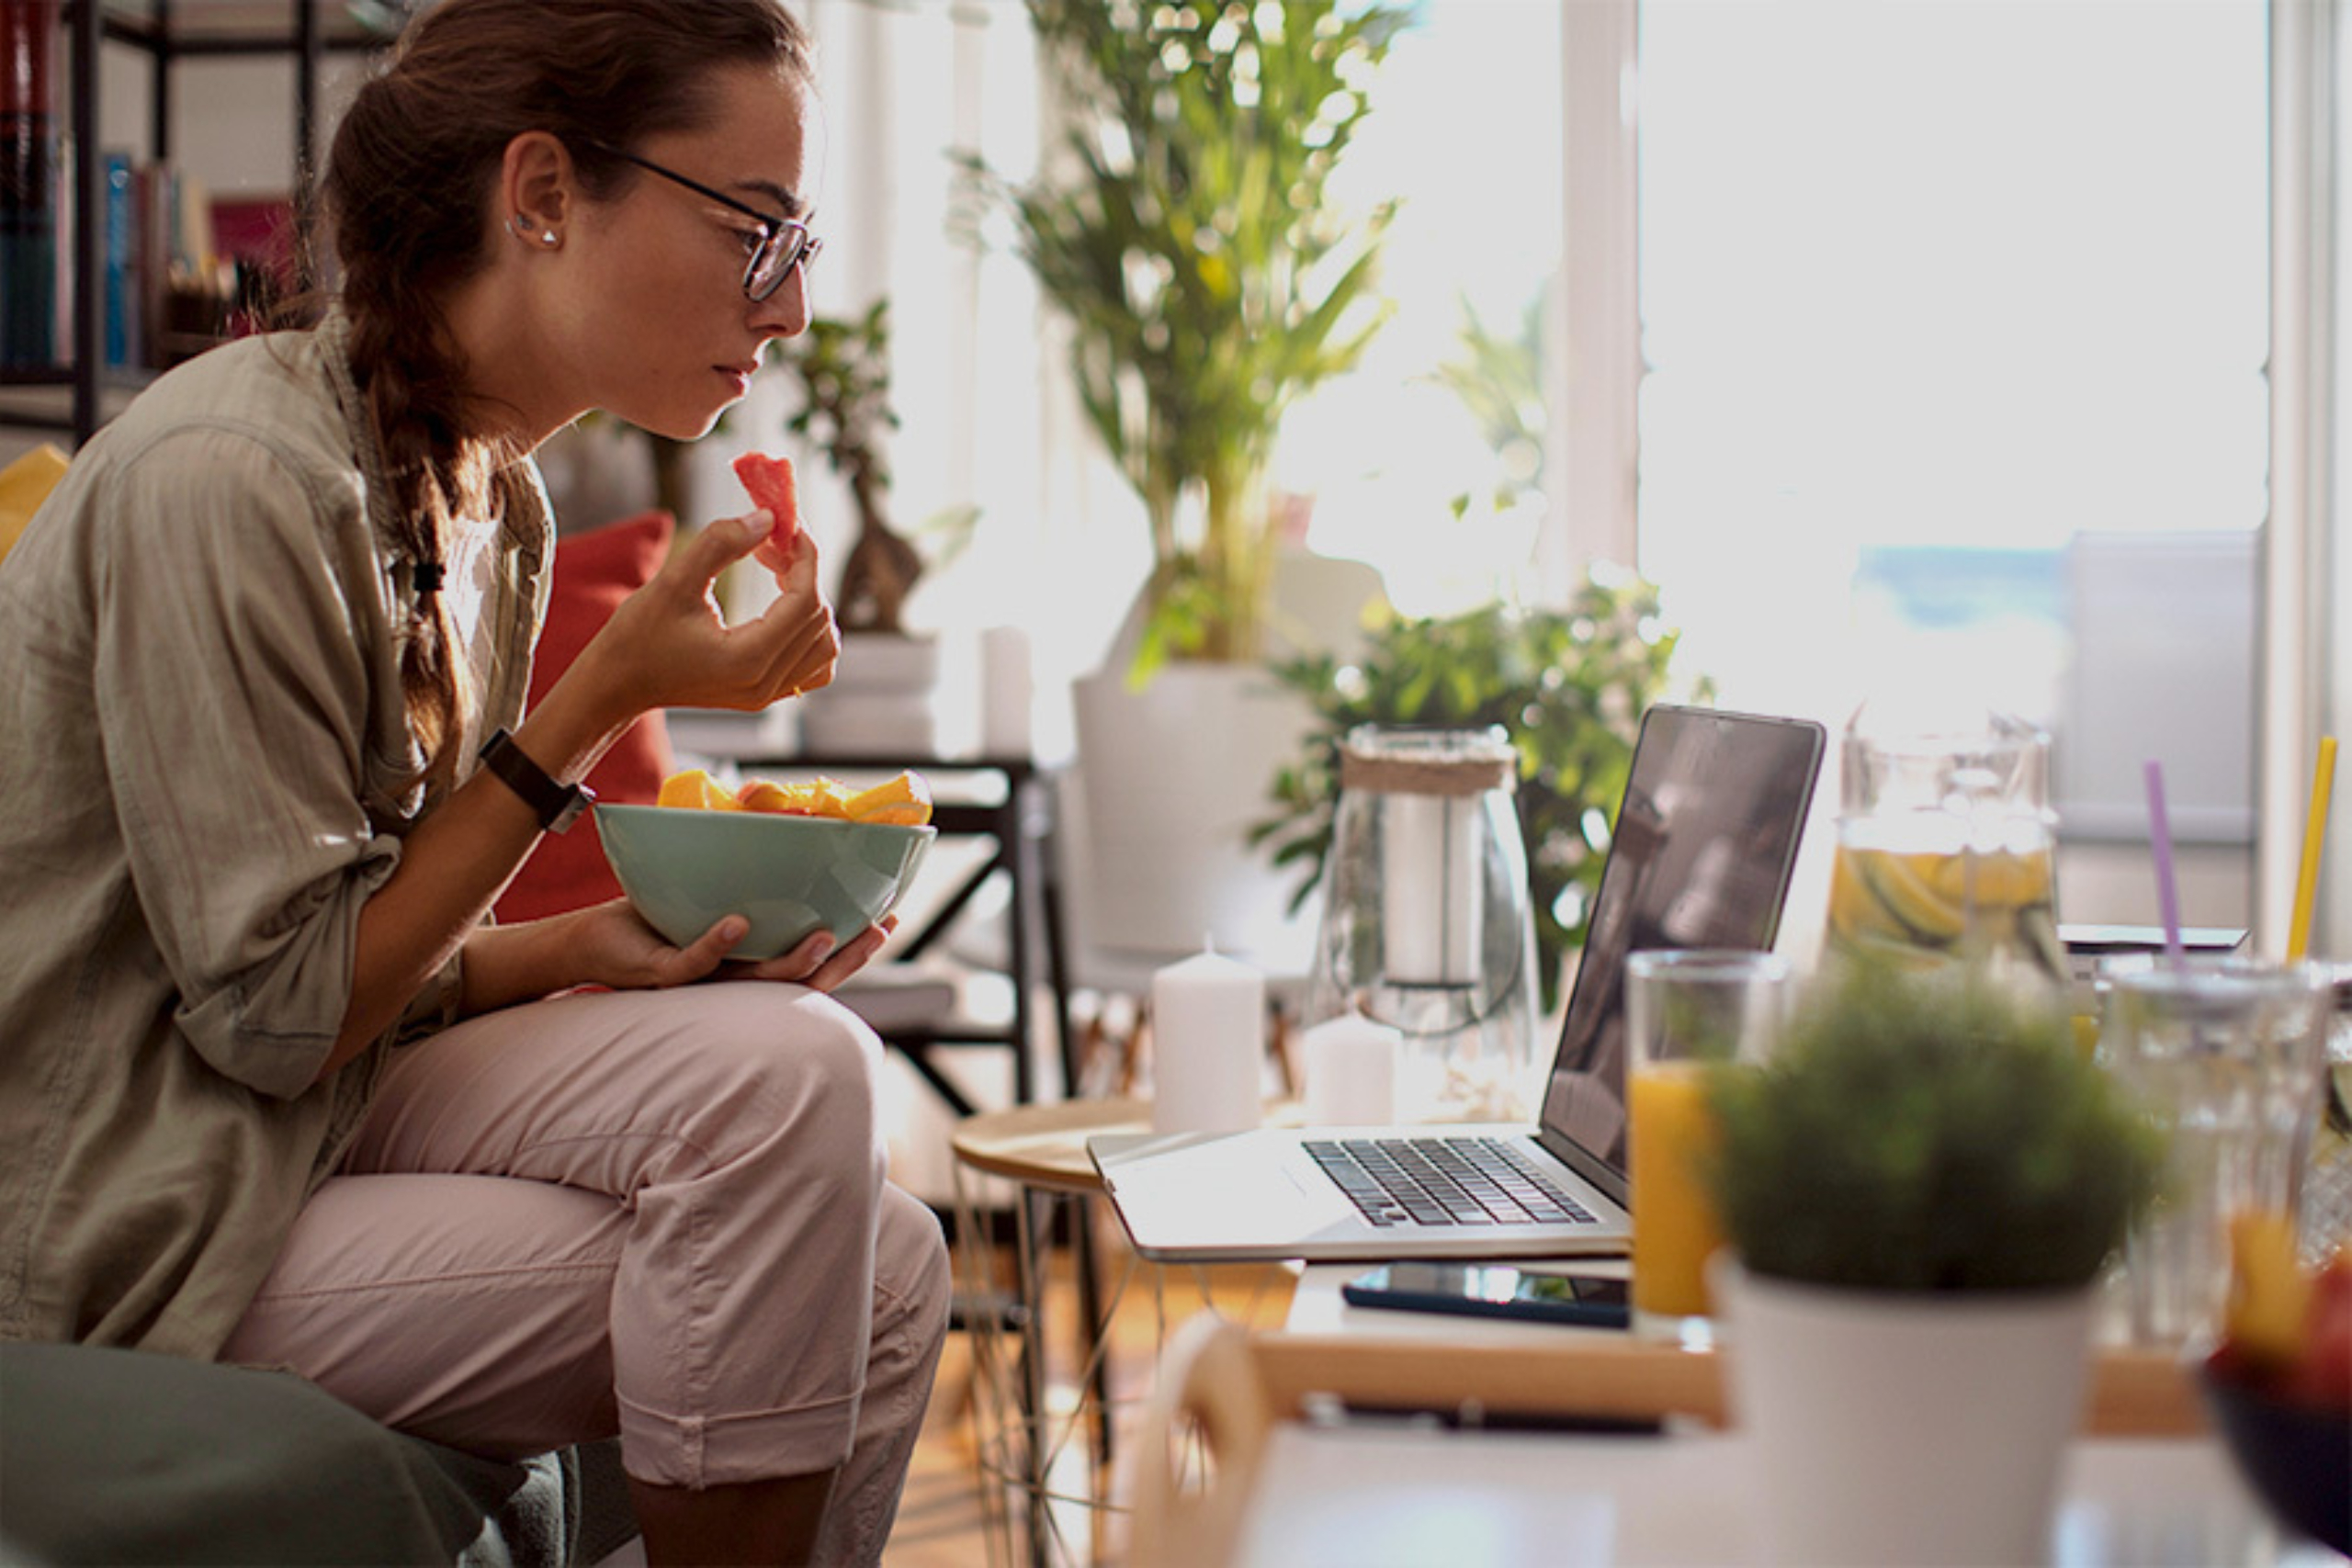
x=786 y=312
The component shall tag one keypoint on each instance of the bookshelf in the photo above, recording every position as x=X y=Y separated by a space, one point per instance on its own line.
x=79 y=391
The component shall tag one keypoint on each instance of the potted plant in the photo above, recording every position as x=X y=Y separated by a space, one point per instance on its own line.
x=1569 y=687
x=1920 y=1191
x=881 y=696
x=1186 y=231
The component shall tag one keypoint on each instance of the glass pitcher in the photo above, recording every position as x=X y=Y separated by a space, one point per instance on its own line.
x=1945 y=846
x=1428 y=924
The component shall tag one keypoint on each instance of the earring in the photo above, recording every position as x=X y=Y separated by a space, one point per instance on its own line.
x=548 y=238
x=520 y=226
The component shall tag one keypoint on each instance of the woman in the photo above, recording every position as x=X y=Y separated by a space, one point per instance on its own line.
x=270 y=1089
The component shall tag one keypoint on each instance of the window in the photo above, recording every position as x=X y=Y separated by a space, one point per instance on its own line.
x=1465 y=134
x=1955 y=319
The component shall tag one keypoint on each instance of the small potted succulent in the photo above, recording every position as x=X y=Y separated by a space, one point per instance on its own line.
x=1920 y=1190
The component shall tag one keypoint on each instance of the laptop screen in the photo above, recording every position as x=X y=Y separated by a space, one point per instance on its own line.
x=1705 y=841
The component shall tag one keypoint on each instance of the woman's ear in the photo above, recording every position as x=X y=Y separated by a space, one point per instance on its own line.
x=535 y=188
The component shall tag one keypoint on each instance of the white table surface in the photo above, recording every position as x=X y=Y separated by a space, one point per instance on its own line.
x=1373 y=1493
x=1365 y=1496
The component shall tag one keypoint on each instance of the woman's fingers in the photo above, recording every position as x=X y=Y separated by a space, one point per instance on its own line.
x=679 y=649
x=816 y=964
x=852 y=957
x=719 y=545
x=706 y=952
x=798 y=963
x=789 y=647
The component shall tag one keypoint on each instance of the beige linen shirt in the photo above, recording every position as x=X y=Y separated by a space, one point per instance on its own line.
x=204 y=759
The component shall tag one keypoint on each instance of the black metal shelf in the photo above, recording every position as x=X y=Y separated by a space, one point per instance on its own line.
x=169 y=31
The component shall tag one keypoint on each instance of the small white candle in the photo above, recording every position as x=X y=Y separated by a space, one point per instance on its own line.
x=1208 y=1033
x=1352 y=1072
x=1428 y=890
x=1007 y=692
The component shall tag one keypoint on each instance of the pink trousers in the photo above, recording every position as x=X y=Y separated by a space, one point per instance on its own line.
x=660 y=1214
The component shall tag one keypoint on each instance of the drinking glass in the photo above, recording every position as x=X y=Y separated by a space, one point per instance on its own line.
x=2327 y=1178
x=2226 y=1056
x=1688 y=1012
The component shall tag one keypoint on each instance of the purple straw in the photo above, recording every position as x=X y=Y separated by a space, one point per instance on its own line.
x=2160 y=836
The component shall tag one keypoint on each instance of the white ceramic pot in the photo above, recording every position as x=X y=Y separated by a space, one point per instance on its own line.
x=1898 y=1429
x=1173 y=776
x=883 y=698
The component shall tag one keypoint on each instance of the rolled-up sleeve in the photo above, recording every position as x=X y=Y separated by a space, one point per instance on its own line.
x=237 y=621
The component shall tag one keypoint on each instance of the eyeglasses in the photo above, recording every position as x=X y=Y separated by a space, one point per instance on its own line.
x=785 y=243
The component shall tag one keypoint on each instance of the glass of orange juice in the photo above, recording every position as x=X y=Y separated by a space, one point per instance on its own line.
x=1688 y=1011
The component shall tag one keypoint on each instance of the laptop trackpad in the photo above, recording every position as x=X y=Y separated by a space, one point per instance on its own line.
x=1245 y=1190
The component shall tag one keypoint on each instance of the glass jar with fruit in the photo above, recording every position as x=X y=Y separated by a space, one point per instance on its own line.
x=1945 y=845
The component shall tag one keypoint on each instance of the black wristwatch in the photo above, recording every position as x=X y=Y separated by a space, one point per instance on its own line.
x=559 y=806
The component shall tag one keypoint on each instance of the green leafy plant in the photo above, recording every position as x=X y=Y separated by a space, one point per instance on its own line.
x=1568 y=686
x=1500 y=382
x=1928 y=1133
x=842 y=367
x=1189 y=237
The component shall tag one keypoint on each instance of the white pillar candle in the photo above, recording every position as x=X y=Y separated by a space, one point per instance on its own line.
x=1428 y=890
x=1007 y=692
x=1352 y=1072
x=1208 y=1033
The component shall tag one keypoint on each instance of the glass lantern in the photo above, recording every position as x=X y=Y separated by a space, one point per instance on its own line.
x=1425 y=924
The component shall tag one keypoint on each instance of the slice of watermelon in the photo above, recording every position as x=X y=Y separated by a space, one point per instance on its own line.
x=771 y=483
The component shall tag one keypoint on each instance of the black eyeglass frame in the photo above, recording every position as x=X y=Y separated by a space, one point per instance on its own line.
x=801 y=246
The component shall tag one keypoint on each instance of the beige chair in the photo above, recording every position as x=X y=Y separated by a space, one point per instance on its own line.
x=1203 y=1433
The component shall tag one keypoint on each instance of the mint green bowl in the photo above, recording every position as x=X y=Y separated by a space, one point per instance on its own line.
x=685 y=868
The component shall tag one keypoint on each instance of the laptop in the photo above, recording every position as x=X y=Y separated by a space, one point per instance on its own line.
x=1705 y=841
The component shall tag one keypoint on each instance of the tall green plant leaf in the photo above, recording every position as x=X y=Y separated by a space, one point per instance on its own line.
x=1189 y=238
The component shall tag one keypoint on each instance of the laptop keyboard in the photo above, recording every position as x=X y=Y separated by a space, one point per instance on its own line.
x=1444 y=1181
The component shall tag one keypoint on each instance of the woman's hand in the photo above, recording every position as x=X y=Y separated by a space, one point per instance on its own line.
x=816 y=963
x=669 y=646
x=609 y=944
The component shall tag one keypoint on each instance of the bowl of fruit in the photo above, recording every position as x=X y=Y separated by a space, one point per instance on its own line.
x=2279 y=1385
x=792 y=858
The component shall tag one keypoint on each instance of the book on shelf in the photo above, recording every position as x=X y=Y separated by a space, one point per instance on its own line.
x=178 y=270
x=125 y=316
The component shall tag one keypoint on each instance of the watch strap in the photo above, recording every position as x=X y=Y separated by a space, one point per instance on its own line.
x=557 y=805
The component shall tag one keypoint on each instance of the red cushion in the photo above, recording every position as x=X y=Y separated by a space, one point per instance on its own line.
x=593 y=572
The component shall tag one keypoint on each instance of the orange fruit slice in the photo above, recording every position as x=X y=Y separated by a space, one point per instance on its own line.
x=904 y=801
x=695 y=789
x=831 y=797
x=765 y=794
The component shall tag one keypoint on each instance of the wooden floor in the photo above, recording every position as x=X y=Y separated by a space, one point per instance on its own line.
x=943 y=1519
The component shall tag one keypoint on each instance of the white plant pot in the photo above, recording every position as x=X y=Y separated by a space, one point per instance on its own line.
x=1172 y=777
x=883 y=698
x=1893 y=1428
